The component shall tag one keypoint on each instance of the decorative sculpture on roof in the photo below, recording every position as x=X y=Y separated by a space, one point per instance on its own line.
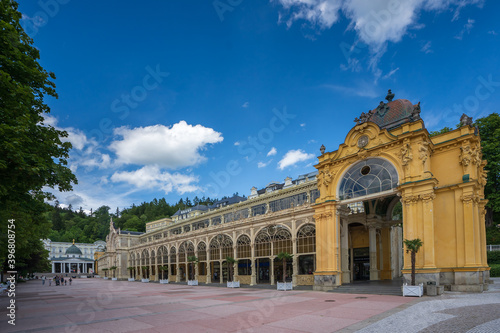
x=389 y=96
x=382 y=109
x=415 y=113
x=322 y=149
x=363 y=118
x=465 y=120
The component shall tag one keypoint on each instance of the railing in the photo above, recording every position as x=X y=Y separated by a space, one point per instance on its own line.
x=492 y=247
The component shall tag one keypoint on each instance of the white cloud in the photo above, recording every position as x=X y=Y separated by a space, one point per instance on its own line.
x=101 y=161
x=318 y=12
x=245 y=105
x=292 y=157
x=426 y=48
x=263 y=164
x=171 y=147
x=376 y=22
x=466 y=29
x=237 y=143
x=303 y=125
x=391 y=73
x=493 y=32
x=152 y=177
x=272 y=152
x=362 y=90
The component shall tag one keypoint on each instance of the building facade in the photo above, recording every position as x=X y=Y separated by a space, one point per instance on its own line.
x=388 y=181
x=76 y=258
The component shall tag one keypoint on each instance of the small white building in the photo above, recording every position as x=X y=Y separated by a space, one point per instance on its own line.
x=73 y=258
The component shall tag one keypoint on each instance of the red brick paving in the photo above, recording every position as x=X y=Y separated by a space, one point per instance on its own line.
x=95 y=305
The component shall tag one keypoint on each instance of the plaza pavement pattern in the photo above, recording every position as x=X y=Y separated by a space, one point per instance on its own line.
x=96 y=305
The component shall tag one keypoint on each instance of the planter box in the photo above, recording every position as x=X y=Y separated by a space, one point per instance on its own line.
x=234 y=284
x=105 y=278
x=192 y=282
x=114 y=279
x=416 y=291
x=131 y=279
x=164 y=281
x=284 y=286
x=145 y=280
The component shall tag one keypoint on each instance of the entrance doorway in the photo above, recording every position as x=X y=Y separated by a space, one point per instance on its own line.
x=263 y=266
x=361 y=269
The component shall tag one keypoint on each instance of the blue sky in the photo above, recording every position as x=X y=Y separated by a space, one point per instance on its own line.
x=208 y=98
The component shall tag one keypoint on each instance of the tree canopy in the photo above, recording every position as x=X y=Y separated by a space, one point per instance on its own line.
x=489 y=130
x=32 y=155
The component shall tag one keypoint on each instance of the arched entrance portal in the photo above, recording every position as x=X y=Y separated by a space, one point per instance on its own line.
x=386 y=157
x=370 y=237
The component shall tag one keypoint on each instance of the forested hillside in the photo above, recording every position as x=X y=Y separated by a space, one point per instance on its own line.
x=69 y=224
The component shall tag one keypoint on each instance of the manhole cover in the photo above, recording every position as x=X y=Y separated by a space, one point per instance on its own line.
x=329 y=300
x=361 y=297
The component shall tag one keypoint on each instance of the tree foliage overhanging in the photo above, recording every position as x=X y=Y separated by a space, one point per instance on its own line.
x=32 y=155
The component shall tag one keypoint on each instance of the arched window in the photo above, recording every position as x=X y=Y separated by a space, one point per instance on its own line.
x=243 y=248
x=367 y=177
x=224 y=243
x=202 y=251
x=202 y=258
x=153 y=258
x=306 y=239
x=306 y=249
x=275 y=237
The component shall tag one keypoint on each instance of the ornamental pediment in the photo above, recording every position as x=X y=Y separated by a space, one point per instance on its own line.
x=360 y=139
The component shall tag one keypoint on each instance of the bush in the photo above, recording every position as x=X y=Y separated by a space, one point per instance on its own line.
x=493 y=257
x=495 y=270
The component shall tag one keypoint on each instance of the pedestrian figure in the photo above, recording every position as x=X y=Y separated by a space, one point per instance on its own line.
x=65 y=282
x=50 y=282
x=70 y=279
x=62 y=280
x=43 y=280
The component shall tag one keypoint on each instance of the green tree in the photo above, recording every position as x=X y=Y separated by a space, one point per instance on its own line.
x=489 y=130
x=284 y=257
x=192 y=260
x=230 y=264
x=412 y=246
x=32 y=155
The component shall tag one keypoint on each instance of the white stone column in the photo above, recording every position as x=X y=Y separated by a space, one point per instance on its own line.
x=374 y=272
x=53 y=267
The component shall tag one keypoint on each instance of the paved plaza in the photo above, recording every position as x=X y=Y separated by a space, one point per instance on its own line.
x=96 y=305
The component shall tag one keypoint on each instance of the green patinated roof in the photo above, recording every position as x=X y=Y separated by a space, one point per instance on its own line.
x=73 y=249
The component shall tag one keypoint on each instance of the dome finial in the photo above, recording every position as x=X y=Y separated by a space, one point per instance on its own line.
x=73 y=241
x=389 y=96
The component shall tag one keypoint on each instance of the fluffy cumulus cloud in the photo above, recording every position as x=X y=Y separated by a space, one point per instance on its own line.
x=375 y=22
x=292 y=157
x=272 y=152
x=169 y=147
x=152 y=177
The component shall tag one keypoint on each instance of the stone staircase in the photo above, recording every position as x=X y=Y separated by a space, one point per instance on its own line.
x=393 y=287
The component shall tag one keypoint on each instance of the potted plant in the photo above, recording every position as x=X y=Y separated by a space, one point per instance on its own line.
x=163 y=269
x=191 y=274
x=113 y=268
x=144 y=276
x=105 y=270
x=131 y=269
x=284 y=257
x=230 y=264
x=412 y=247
